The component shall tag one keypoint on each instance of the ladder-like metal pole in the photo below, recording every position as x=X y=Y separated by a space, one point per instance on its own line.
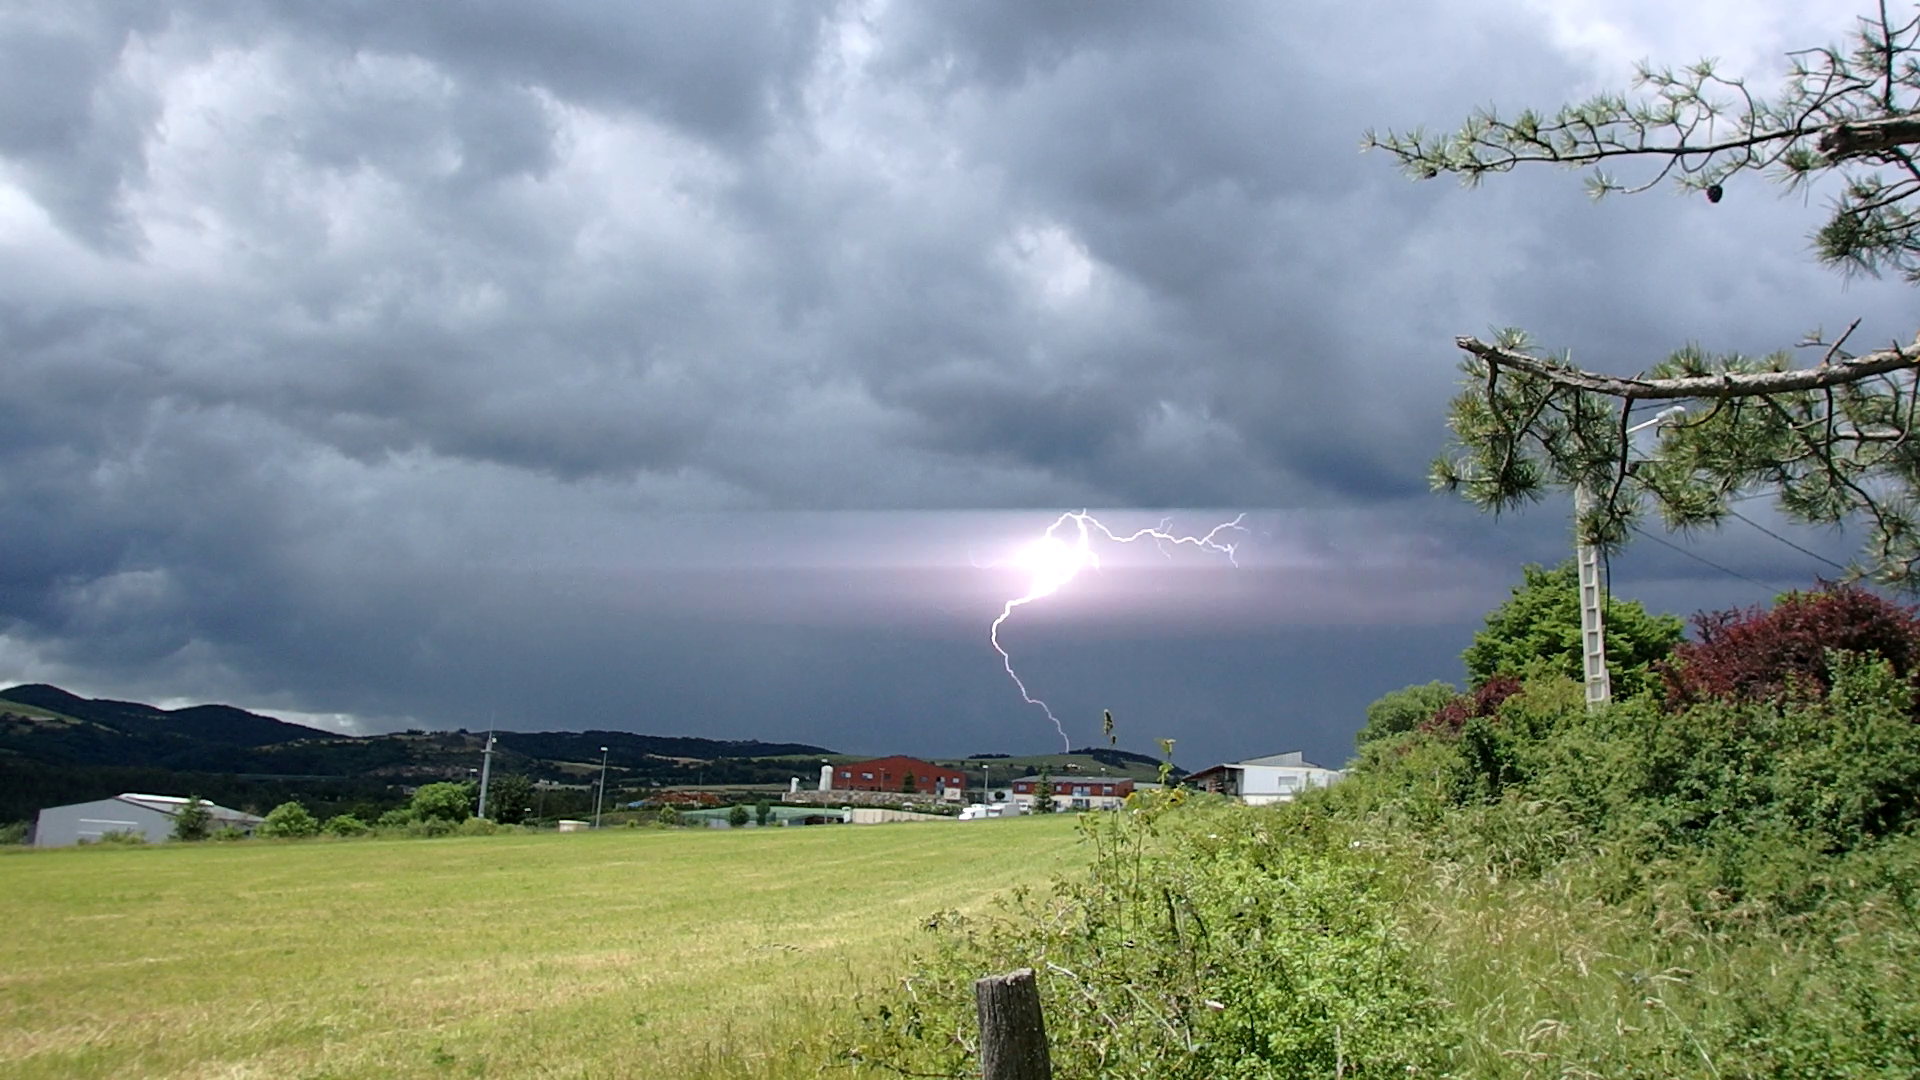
x=486 y=774
x=1593 y=619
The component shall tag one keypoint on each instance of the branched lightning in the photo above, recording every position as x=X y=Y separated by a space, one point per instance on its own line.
x=1054 y=562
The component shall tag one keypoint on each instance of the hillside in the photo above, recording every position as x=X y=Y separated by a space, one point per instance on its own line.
x=58 y=747
x=1087 y=761
x=1658 y=888
x=221 y=725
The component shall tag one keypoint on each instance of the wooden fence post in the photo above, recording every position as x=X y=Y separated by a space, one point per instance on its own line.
x=1013 y=1034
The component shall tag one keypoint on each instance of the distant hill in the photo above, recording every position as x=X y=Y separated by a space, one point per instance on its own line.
x=1117 y=757
x=53 y=725
x=1088 y=761
x=209 y=723
x=57 y=747
x=627 y=748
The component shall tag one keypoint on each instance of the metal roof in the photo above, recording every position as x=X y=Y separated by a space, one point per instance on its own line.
x=1294 y=758
x=172 y=804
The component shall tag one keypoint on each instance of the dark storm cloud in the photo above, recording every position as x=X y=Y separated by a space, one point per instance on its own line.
x=358 y=356
x=70 y=122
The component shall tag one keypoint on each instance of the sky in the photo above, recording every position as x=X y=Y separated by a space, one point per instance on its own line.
x=703 y=367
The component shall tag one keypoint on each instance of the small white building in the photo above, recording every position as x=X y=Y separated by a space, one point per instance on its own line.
x=982 y=811
x=149 y=816
x=1270 y=779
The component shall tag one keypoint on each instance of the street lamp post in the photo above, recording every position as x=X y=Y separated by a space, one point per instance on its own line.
x=600 y=797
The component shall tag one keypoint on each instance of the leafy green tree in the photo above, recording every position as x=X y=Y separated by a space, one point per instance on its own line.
x=445 y=801
x=762 y=813
x=1402 y=710
x=1539 y=625
x=194 y=821
x=345 y=825
x=1043 y=794
x=906 y=785
x=509 y=798
x=668 y=815
x=289 y=821
x=1830 y=441
x=737 y=817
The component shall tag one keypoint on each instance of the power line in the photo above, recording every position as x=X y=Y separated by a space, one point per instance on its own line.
x=1786 y=541
x=1701 y=558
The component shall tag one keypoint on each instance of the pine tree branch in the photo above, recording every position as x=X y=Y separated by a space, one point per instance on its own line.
x=1724 y=385
x=1858 y=138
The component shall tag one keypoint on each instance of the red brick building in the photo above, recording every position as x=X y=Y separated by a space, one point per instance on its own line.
x=890 y=774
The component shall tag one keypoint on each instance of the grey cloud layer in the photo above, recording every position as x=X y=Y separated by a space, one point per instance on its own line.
x=300 y=303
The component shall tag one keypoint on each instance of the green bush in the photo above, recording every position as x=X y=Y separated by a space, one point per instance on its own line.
x=194 y=821
x=1540 y=624
x=122 y=837
x=398 y=818
x=446 y=801
x=229 y=833
x=1402 y=710
x=737 y=817
x=668 y=815
x=478 y=827
x=13 y=832
x=428 y=828
x=509 y=796
x=289 y=821
x=345 y=825
x=1206 y=942
x=762 y=813
x=1725 y=889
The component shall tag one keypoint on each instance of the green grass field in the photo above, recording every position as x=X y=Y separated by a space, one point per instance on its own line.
x=626 y=953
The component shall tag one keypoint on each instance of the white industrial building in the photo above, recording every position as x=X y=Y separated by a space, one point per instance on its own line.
x=149 y=816
x=1275 y=778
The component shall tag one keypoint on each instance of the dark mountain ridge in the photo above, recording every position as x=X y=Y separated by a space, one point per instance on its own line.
x=50 y=725
x=222 y=724
x=56 y=747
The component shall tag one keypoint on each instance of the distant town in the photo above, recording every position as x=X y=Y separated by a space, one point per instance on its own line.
x=73 y=769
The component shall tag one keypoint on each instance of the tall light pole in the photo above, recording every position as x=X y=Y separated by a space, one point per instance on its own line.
x=600 y=796
x=486 y=772
x=1593 y=619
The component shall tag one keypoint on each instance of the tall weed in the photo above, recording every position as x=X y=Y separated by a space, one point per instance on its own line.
x=1208 y=940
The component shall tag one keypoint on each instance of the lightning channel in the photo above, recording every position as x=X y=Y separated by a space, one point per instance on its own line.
x=1053 y=562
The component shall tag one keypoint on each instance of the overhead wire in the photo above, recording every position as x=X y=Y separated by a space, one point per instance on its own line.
x=1702 y=559
x=1784 y=540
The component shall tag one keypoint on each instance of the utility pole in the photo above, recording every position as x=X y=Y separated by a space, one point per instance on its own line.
x=1593 y=618
x=600 y=796
x=486 y=772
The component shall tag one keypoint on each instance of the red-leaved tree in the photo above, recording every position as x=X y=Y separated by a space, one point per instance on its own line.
x=1483 y=700
x=1765 y=655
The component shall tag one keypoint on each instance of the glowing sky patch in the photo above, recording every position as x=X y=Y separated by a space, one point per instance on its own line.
x=1053 y=562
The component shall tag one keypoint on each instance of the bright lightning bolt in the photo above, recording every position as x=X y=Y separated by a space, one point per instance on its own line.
x=1053 y=562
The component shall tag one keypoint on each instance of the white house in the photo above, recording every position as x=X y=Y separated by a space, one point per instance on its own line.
x=149 y=816
x=1275 y=778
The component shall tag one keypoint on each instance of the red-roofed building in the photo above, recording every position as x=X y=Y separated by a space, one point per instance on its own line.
x=893 y=773
x=1074 y=792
